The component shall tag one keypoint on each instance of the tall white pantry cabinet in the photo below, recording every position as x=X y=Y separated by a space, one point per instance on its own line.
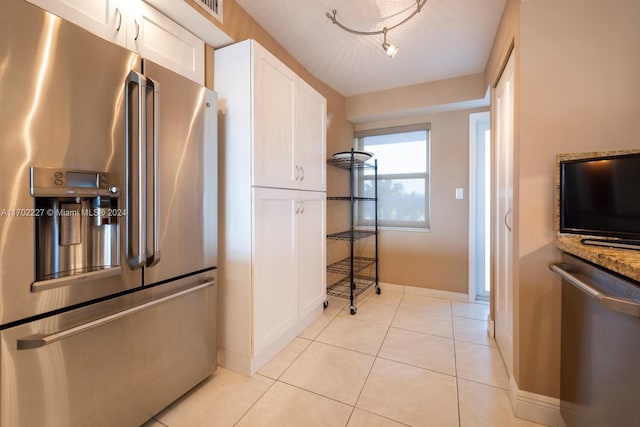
x=272 y=205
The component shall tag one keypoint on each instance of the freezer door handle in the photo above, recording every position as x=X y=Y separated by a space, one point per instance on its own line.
x=153 y=181
x=135 y=234
x=620 y=305
x=41 y=340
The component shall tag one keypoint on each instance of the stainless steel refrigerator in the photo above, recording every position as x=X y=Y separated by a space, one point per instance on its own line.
x=108 y=228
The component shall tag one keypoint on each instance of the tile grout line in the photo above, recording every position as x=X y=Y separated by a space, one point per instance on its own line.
x=256 y=401
x=277 y=380
x=375 y=358
x=455 y=368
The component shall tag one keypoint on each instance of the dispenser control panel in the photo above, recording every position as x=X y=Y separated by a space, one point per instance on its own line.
x=53 y=182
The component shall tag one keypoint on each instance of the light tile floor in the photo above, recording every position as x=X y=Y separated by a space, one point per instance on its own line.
x=404 y=359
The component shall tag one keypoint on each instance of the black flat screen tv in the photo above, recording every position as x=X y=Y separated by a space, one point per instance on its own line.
x=601 y=196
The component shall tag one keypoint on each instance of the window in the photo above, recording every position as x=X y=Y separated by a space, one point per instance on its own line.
x=403 y=176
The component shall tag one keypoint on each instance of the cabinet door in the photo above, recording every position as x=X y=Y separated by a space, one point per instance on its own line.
x=103 y=18
x=158 y=38
x=274 y=90
x=310 y=135
x=312 y=239
x=275 y=292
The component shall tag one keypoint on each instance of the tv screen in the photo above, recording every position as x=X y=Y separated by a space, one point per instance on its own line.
x=601 y=196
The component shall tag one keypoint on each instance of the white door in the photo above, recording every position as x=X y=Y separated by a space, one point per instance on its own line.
x=312 y=271
x=273 y=138
x=503 y=215
x=310 y=133
x=275 y=275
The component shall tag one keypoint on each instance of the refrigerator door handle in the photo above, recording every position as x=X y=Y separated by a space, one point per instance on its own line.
x=135 y=230
x=153 y=153
x=41 y=340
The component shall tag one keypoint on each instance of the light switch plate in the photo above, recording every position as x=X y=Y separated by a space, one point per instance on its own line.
x=459 y=193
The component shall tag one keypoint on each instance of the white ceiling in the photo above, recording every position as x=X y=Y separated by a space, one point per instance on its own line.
x=448 y=38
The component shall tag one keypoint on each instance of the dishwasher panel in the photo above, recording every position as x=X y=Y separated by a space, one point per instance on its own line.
x=600 y=374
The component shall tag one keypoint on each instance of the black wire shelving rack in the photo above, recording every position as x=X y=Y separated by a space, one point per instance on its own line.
x=355 y=273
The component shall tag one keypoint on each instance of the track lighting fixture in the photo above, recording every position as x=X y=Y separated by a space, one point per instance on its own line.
x=389 y=48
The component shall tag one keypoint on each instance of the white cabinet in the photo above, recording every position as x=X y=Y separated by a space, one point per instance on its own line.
x=289 y=119
x=310 y=134
x=103 y=18
x=274 y=162
x=139 y=27
x=289 y=282
x=275 y=291
x=272 y=228
x=312 y=237
x=159 y=39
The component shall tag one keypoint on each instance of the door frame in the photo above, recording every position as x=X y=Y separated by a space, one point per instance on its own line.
x=474 y=119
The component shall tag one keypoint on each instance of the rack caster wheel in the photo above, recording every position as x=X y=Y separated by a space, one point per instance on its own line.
x=378 y=290
x=325 y=304
x=353 y=310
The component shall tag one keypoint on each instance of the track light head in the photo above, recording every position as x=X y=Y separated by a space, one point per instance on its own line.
x=389 y=49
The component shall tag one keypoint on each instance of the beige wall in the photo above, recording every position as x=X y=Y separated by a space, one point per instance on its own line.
x=577 y=89
x=437 y=259
x=415 y=99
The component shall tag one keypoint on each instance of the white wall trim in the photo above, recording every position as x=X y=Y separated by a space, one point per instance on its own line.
x=427 y=292
x=534 y=407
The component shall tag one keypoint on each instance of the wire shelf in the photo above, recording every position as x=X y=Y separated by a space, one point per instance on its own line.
x=345 y=163
x=344 y=265
x=342 y=289
x=347 y=198
x=346 y=235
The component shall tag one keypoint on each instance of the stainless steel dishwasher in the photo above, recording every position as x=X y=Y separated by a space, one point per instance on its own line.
x=600 y=373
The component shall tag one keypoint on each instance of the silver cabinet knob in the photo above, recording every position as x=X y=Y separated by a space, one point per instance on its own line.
x=114 y=190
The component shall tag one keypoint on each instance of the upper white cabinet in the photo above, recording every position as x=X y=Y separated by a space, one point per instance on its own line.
x=274 y=160
x=139 y=27
x=158 y=38
x=310 y=136
x=104 y=18
x=288 y=117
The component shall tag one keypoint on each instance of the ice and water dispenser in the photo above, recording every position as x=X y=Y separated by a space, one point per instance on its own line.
x=76 y=224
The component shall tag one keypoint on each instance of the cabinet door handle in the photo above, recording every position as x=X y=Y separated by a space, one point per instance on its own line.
x=302 y=204
x=119 y=14
x=137 y=30
x=297 y=208
x=506 y=220
x=302 y=169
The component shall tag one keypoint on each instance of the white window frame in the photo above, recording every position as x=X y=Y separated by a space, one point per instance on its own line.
x=359 y=145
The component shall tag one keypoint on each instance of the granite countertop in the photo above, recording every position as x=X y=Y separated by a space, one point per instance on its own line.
x=623 y=261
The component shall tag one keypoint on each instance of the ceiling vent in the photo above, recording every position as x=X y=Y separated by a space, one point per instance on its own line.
x=214 y=7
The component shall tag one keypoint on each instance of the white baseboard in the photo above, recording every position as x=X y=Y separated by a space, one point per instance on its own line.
x=491 y=327
x=437 y=293
x=534 y=407
x=248 y=365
